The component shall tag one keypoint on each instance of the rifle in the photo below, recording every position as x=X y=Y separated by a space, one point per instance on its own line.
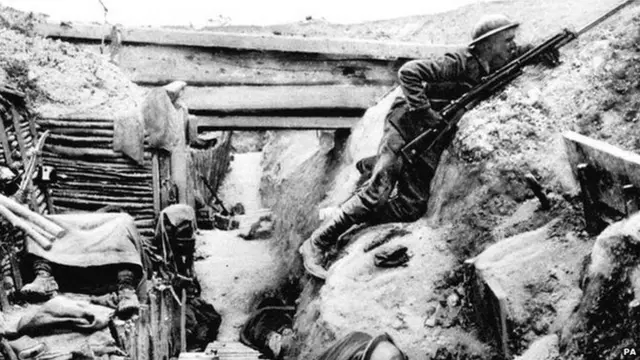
x=425 y=148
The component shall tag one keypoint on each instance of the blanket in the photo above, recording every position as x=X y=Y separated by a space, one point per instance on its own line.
x=62 y=314
x=93 y=239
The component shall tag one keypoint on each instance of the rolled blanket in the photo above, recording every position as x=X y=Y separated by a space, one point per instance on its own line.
x=62 y=314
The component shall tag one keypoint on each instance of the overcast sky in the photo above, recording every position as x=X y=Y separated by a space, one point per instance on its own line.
x=236 y=12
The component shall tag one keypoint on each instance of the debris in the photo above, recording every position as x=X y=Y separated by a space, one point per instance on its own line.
x=392 y=257
x=260 y=229
x=538 y=191
x=385 y=238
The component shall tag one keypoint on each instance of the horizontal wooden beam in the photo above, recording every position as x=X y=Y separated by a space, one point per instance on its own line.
x=159 y=65
x=373 y=49
x=203 y=123
x=238 y=98
x=613 y=169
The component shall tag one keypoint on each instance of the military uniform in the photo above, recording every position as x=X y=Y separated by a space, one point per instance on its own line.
x=425 y=84
x=397 y=191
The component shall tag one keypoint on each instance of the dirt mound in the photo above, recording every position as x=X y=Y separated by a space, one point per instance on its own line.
x=538 y=19
x=59 y=77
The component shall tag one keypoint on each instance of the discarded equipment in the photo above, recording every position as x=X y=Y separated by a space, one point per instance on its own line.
x=214 y=214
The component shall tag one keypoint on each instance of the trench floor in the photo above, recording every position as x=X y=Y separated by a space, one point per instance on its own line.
x=231 y=270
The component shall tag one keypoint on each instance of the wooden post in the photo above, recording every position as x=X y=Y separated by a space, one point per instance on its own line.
x=183 y=321
x=37 y=219
x=593 y=222
x=631 y=198
x=41 y=240
x=4 y=299
x=165 y=325
x=154 y=318
x=143 y=334
x=5 y=143
x=7 y=350
x=15 y=269
x=155 y=173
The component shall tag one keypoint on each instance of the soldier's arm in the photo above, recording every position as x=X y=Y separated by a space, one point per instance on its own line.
x=549 y=59
x=414 y=75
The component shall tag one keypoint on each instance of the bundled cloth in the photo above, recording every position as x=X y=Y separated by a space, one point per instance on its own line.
x=266 y=328
x=202 y=323
x=62 y=314
x=65 y=328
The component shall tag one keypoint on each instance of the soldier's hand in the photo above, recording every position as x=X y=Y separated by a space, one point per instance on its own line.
x=425 y=115
x=550 y=58
x=435 y=116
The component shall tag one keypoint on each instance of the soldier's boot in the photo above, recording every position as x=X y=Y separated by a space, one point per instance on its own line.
x=313 y=259
x=314 y=249
x=44 y=286
x=128 y=303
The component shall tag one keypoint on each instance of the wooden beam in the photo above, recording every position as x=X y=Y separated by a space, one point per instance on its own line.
x=159 y=65
x=4 y=141
x=373 y=49
x=611 y=169
x=238 y=98
x=270 y=122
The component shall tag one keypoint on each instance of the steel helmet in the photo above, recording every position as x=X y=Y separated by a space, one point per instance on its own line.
x=490 y=25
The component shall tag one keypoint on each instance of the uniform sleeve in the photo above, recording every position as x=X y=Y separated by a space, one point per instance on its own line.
x=415 y=75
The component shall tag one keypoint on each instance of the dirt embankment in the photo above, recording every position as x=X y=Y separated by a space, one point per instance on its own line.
x=479 y=198
x=58 y=77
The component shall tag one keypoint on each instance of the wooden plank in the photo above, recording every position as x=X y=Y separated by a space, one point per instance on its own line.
x=154 y=322
x=159 y=65
x=611 y=169
x=4 y=300
x=374 y=49
x=19 y=136
x=5 y=144
x=142 y=335
x=15 y=269
x=228 y=350
x=23 y=155
x=235 y=98
x=203 y=123
x=183 y=320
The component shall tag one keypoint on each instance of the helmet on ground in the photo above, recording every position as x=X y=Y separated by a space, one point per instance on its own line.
x=490 y=25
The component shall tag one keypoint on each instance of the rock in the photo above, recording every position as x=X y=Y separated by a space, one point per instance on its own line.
x=603 y=324
x=436 y=317
x=399 y=323
x=453 y=300
x=545 y=348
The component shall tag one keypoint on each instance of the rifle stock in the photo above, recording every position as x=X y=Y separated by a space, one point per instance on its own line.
x=425 y=149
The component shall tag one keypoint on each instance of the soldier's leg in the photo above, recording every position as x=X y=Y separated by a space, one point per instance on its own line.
x=369 y=197
x=128 y=303
x=359 y=208
x=44 y=285
x=410 y=201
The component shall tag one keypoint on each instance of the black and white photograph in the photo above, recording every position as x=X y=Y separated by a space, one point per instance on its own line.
x=319 y=180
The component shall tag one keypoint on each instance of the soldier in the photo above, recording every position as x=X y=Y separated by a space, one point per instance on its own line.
x=427 y=86
x=358 y=345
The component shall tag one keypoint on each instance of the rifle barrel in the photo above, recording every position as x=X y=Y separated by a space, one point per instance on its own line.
x=603 y=17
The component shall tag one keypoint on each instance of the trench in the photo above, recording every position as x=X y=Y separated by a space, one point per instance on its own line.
x=237 y=273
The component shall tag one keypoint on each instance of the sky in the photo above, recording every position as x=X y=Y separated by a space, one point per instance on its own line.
x=198 y=13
